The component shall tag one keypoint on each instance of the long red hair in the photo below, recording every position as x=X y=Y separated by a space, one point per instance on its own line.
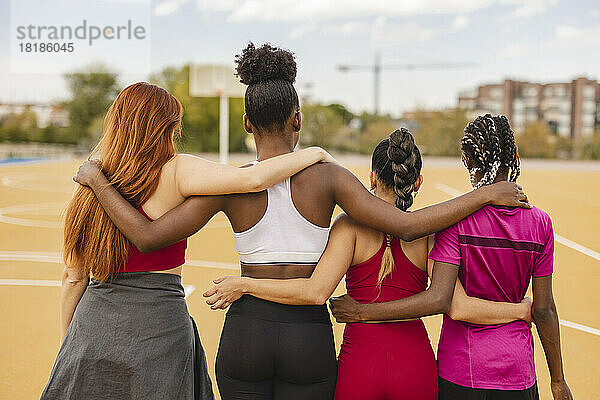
x=137 y=141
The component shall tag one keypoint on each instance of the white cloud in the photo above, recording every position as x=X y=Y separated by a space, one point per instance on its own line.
x=319 y=10
x=302 y=30
x=349 y=28
x=514 y=50
x=595 y=13
x=381 y=33
x=329 y=10
x=168 y=7
x=577 y=36
x=527 y=8
x=460 y=22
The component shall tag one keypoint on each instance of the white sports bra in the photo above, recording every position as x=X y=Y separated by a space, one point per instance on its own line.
x=282 y=236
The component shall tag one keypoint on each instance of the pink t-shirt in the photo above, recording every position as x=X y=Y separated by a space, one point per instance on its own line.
x=498 y=250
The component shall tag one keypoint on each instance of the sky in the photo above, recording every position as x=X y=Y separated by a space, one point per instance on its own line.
x=536 y=40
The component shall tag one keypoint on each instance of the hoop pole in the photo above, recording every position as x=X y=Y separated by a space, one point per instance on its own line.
x=223 y=129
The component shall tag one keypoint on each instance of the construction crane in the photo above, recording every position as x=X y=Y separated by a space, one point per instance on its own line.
x=376 y=68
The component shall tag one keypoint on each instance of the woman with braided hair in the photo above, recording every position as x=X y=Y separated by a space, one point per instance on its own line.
x=391 y=360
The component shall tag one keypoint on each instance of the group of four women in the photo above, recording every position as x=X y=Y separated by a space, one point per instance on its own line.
x=127 y=331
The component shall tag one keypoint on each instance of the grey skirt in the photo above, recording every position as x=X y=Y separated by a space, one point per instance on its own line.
x=131 y=338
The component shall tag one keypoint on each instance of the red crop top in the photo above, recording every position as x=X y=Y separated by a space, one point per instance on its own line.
x=158 y=260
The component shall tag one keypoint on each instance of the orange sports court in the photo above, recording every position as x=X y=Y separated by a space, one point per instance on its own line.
x=33 y=197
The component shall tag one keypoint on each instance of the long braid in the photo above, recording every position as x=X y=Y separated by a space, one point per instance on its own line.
x=406 y=163
x=397 y=163
x=510 y=156
x=490 y=145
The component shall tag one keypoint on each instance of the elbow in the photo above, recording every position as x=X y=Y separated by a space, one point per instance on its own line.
x=455 y=312
x=255 y=183
x=145 y=244
x=543 y=314
x=73 y=278
x=145 y=247
x=409 y=234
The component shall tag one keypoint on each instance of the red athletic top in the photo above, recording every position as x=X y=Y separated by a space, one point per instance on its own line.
x=386 y=360
x=158 y=260
x=405 y=280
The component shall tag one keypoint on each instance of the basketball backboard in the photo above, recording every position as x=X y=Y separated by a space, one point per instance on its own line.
x=210 y=80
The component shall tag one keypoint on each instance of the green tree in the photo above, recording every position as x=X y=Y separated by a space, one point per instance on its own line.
x=321 y=125
x=93 y=89
x=21 y=127
x=591 y=146
x=374 y=132
x=438 y=133
x=537 y=141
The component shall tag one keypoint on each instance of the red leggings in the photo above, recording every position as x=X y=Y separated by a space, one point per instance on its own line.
x=386 y=361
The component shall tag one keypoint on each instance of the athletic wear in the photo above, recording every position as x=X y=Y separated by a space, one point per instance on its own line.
x=158 y=260
x=452 y=391
x=386 y=361
x=270 y=350
x=131 y=338
x=276 y=351
x=282 y=236
x=498 y=250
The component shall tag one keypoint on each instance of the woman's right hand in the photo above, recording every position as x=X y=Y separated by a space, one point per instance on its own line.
x=526 y=304
x=506 y=193
x=225 y=291
x=324 y=155
x=89 y=173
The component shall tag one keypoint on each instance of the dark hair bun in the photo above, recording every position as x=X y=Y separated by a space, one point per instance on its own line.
x=266 y=63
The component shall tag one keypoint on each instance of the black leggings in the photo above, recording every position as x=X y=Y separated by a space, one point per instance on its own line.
x=276 y=351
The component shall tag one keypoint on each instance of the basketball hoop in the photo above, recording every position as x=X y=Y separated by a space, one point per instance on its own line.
x=217 y=81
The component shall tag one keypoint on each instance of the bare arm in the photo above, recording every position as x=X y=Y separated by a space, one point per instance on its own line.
x=435 y=300
x=175 y=225
x=332 y=266
x=484 y=312
x=197 y=176
x=74 y=283
x=369 y=210
x=546 y=321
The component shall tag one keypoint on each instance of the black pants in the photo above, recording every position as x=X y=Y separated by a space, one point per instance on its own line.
x=452 y=391
x=275 y=351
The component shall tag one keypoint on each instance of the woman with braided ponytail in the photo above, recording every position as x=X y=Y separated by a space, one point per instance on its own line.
x=386 y=360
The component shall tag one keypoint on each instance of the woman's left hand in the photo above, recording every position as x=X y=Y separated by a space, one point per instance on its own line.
x=226 y=290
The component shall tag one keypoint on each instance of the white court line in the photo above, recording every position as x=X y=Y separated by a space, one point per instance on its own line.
x=37 y=207
x=576 y=246
x=557 y=238
x=187 y=289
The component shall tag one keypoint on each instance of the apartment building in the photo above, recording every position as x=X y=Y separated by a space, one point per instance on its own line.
x=570 y=109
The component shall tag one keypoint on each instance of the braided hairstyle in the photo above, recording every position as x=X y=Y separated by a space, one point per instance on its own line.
x=270 y=73
x=489 y=143
x=397 y=164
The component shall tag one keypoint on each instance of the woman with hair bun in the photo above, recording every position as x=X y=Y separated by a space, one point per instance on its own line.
x=270 y=350
x=391 y=360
